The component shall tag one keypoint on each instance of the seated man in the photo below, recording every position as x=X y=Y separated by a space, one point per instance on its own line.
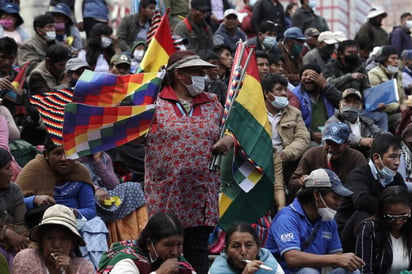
x=335 y=154
x=367 y=182
x=304 y=237
x=290 y=137
x=362 y=129
x=318 y=100
x=322 y=54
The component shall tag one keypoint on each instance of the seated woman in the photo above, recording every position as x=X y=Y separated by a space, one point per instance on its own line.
x=50 y=179
x=243 y=255
x=384 y=240
x=13 y=231
x=58 y=237
x=127 y=220
x=158 y=250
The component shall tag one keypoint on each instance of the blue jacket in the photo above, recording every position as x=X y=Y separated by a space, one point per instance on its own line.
x=330 y=97
x=400 y=39
x=95 y=9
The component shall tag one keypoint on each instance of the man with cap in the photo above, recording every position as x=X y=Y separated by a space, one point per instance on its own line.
x=311 y=42
x=195 y=28
x=305 y=17
x=400 y=38
x=362 y=129
x=335 y=154
x=120 y=64
x=317 y=98
x=372 y=29
x=387 y=69
x=322 y=54
x=10 y=23
x=367 y=182
x=66 y=31
x=74 y=69
x=271 y=10
x=134 y=27
x=304 y=237
x=291 y=48
x=229 y=32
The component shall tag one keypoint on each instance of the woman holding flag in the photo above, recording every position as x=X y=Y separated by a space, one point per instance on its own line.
x=179 y=150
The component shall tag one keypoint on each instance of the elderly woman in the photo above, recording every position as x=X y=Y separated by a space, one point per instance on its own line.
x=12 y=210
x=58 y=237
x=158 y=250
x=243 y=255
x=51 y=179
x=179 y=149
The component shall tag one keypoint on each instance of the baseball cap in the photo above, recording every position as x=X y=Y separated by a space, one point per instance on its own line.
x=294 y=33
x=120 y=58
x=325 y=178
x=327 y=37
x=190 y=61
x=312 y=32
x=337 y=132
x=199 y=5
x=229 y=12
x=374 y=12
x=58 y=215
x=74 y=64
x=340 y=36
x=351 y=91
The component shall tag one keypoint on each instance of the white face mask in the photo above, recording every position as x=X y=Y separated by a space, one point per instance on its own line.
x=326 y=213
x=392 y=70
x=138 y=54
x=50 y=35
x=280 y=102
x=197 y=86
x=269 y=41
x=408 y=24
x=312 y=4
x=106 y=42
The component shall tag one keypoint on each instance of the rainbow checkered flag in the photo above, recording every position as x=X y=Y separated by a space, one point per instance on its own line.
x=247 y=172
x=108 y=111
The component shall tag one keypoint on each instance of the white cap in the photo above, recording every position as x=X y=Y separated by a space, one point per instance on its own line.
x=327 y=37
x=373 y=12
x=340 y=36
x=229 y=12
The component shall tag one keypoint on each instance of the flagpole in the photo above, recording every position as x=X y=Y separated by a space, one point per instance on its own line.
x=217 y=158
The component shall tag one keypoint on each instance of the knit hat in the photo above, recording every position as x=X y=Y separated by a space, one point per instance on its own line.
x=311 y=66
x=385 y=52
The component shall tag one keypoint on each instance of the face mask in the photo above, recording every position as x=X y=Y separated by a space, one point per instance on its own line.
x=392 y=70
x=138 y=54
x=106 y=42
x=327 y=214
x=269 y=41
x=252 y=3
x=50 y=35
x=59 y=26
x=351 y=59
x=7 y=23
x=280 y=102
x=408 y=24
x=297 y=48
x=327 y=51
x=387 y=173
x=312 y=4
x=197 y=86
x=351 y=113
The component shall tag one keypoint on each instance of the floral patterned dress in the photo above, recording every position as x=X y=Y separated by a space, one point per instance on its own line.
x=178 y=154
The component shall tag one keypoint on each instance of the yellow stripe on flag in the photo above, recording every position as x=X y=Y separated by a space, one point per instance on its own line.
x=224 y=203
x=155 y=57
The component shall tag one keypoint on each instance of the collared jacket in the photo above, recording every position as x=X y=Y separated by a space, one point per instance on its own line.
x=127 y=31
x=295 y=136
x=222 y=37
x=33 y=49
x=370 y=248
x=199 y=36
x=292 y=63
x=378 y=75
x=400 y=38
x=41 y=79
x=330 y=97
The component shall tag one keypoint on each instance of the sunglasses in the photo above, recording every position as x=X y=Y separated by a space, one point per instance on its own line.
x=392 y=218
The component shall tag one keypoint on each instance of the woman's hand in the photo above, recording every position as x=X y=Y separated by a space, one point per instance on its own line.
x=101 y=195
x=16 y=241
x=223 y=145
x=252 y=267
x=97 y=156
x=169 y=266
x=62 y=262
x=44 y=200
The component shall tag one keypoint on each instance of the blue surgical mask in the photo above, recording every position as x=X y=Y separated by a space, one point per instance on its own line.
x=280 y=102
x=312 y=4
x=297 y=48
x=386 y=173
x=269 y=41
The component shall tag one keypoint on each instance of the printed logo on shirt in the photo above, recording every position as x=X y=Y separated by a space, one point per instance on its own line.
x=286 y=237
x=327 y=235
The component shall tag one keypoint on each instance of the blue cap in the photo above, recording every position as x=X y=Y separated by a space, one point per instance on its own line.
x=337 y=132
x=62 y=8
x=326 y=178
x=12 y=8
x=294 y=33
x=407 y=54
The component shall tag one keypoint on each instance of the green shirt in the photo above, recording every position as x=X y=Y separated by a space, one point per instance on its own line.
x=319 y=115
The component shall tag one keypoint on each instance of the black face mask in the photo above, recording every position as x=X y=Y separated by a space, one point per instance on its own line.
x=327 y=51
x=351 y=59
x=350 y=113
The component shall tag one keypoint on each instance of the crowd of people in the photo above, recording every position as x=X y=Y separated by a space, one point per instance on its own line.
x=342 y=170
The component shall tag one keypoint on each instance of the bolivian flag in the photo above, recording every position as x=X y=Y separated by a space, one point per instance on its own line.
x=247 y=172
x=159 y=49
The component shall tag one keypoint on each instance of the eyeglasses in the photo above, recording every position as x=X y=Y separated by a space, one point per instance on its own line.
x=392 y=218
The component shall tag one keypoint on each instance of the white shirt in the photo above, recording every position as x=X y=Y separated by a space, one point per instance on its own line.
x=400 y=259
x=356 y=128
x=277 y=142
